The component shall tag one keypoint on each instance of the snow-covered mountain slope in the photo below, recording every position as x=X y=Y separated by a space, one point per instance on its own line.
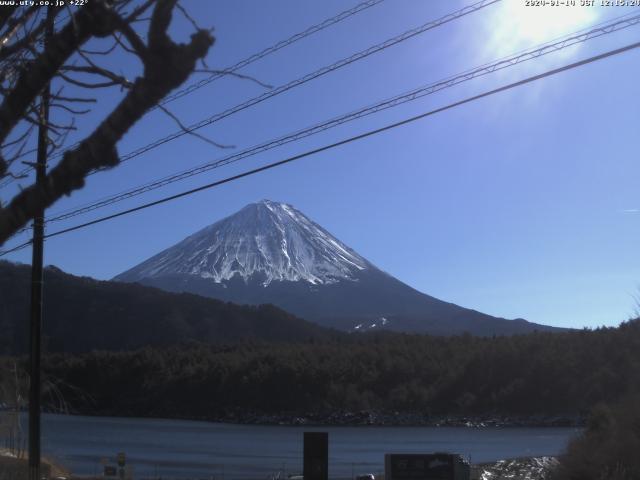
x=269 y=240
x=269 y=252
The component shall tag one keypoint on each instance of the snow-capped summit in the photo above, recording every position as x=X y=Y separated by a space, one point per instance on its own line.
x=269 y=252
x=268 y=241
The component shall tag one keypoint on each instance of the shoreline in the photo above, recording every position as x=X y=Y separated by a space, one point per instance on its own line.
x=366 y=418
x=515 y=467
x=397 y=419
x=525 y=468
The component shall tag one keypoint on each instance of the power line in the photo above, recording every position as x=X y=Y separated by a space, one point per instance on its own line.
x=348 y=140
x=272 y=49
x=238 y=65
x=313 y=75
x=295 y=83
x=16 y=248
x=369 y=110
x=310 y=76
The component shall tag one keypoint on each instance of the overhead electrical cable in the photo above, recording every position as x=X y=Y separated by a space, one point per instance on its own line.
x=272 y=49
x=295 y=83
x=360 y=7
x=354 y=115
x=15 y=249
x=312 y=76
x=345 y=141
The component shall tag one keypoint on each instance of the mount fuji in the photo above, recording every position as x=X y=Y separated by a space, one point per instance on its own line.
x=269 y=252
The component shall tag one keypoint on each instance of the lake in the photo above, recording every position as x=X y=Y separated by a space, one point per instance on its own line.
x=191 y=449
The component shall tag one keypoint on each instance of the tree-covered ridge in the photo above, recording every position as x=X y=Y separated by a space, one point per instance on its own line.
x=82 y=314
x=540 y=373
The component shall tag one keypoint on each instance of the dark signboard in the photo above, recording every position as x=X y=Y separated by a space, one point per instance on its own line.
x=316 y=456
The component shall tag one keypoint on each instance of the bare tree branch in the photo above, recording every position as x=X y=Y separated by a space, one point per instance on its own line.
x=114 y=78
x=139 y=11
x=19 y=139
x=234 y=74
x=69 y=109
x=109 y=50
x=191 y=132
x=186 y=15
x=74 y=99
x=138 y=46
x=98 y=150
x=95 y=19
x=6 y=14
x=7 y=50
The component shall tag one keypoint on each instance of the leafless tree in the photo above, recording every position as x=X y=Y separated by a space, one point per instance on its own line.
x=68 y=62
x=13 y=384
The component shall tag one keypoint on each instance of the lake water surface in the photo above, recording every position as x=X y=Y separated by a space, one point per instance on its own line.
x=189 y=449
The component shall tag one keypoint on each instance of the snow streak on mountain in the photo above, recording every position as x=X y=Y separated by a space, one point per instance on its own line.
x=268 y=240
x=269 y=252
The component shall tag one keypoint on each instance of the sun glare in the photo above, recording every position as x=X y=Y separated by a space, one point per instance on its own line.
x=519 y=26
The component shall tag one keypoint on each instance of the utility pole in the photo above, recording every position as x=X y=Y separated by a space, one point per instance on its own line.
x=35 y=333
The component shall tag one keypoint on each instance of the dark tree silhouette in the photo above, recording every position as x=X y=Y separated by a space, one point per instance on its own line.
x=28 y=65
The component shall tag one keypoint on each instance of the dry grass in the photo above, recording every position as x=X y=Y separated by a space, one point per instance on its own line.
x=17 y=469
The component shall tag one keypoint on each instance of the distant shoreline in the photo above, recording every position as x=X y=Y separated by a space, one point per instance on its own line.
x=408 y=420
x=367 y=418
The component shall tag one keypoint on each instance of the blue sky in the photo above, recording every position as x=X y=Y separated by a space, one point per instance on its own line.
x=524 y=204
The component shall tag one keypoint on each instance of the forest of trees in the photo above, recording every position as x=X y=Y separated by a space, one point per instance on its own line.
x=83 y=314
x=137 y=356
x=540 y=373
